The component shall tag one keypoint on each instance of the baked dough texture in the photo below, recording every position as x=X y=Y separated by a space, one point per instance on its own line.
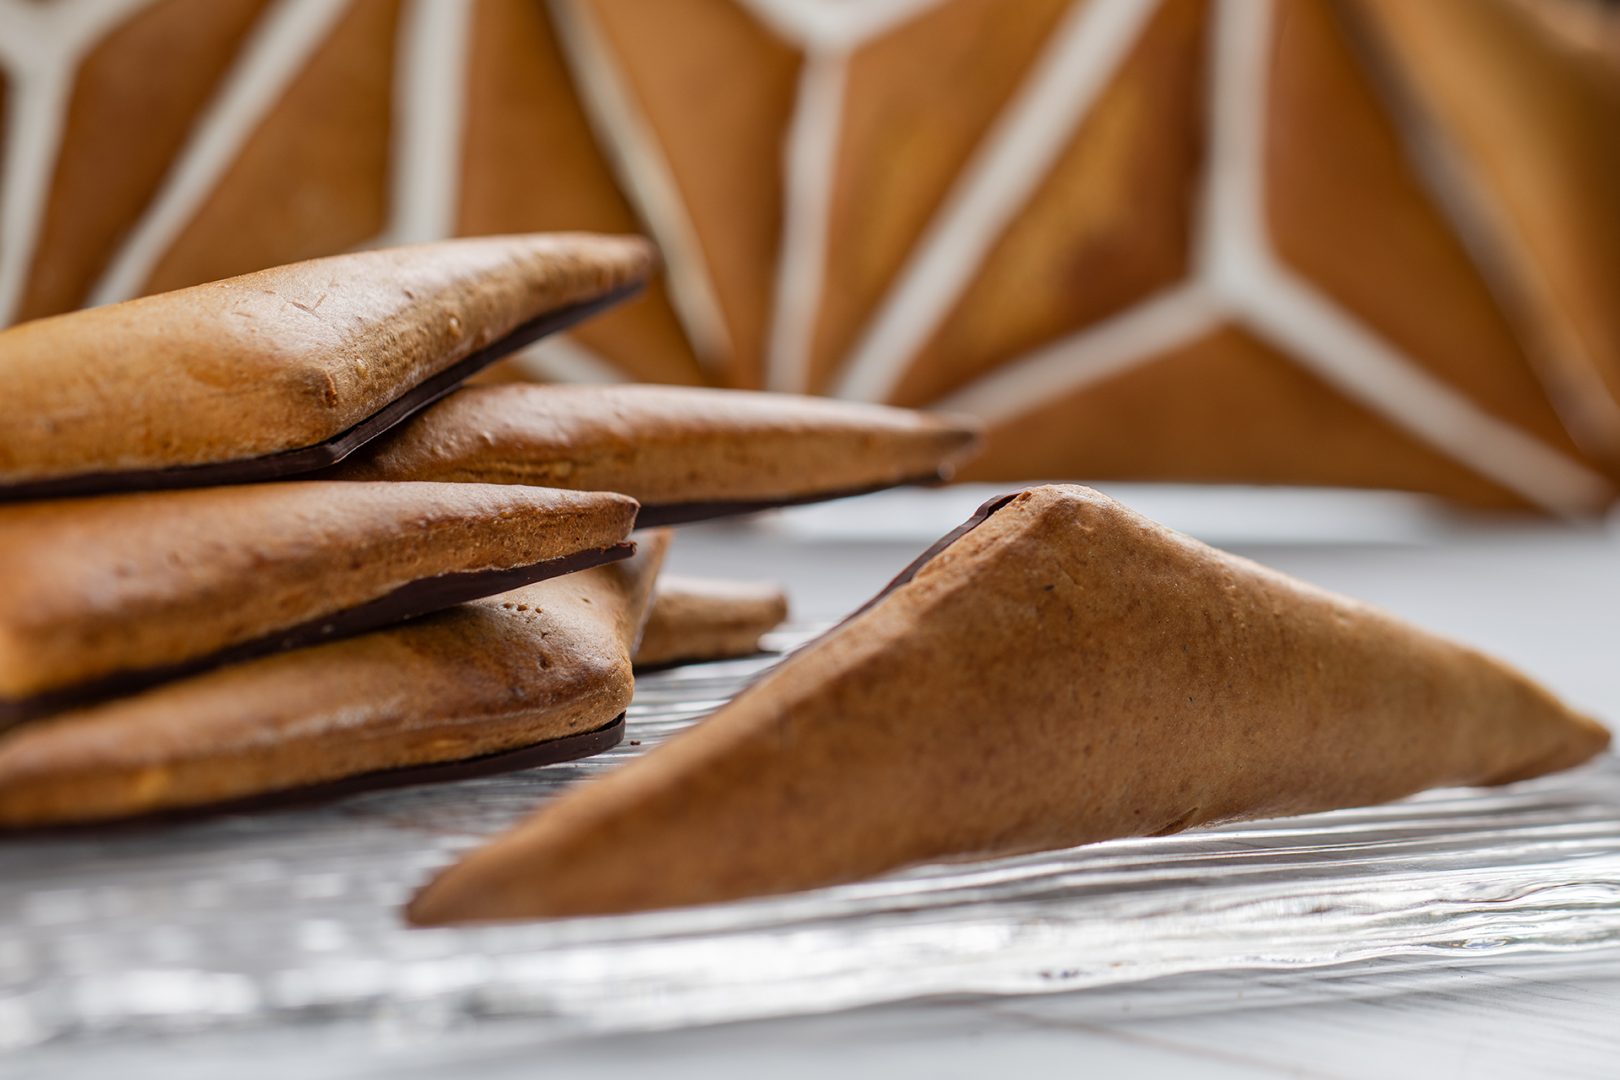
x=280 y=359
x=543 y=662
x=695 y=619
x=666 y=445
x=1066 y=672
x=121 y=583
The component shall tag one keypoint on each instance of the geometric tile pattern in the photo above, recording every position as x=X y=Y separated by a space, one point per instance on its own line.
x=1360 y=242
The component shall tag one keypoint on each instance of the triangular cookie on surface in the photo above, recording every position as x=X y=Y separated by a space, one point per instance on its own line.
x=530 y=677
x=1060 y=671
x=685 y=454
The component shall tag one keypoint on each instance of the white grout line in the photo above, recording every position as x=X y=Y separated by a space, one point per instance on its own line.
x=1236 y=274
x=1127 y=339
x=1313 y=331
x=1131 y=339
x=1360 y=365
x=1562 y=358
x=1234 y=266
x=275 y=53
x=1230 y=252
x=646 y=177
x=1453 y=177
x=811 y=162
x=1073 y=70
x=35 y=111
x=834 y=25
x=430 y=91
x=40 y=47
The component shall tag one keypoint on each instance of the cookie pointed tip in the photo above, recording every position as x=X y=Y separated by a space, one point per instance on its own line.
x=625 y=504
x=428 y=908
x=463 y=895
x=964 y=431
x=637 y=254
x=1591 y=736
x=954 y=438
x=575 y=266
x=633 y=256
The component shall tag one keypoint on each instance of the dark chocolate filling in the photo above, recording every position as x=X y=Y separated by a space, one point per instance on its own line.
x=406 y=602
x=550 y=752
x=661 y=514
x=306 y=459
x=980 y=516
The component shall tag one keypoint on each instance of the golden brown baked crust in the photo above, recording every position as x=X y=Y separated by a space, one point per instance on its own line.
x=1066 y=672
x=128 y=582
x=696 y=619
x=280 y=359
x=664 y=445
x=539 y=663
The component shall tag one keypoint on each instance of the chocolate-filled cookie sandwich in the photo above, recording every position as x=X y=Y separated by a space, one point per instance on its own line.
x=109 y=593
x=1059 y=671
x=684 y=453
x=537 y=675
x=286 y=370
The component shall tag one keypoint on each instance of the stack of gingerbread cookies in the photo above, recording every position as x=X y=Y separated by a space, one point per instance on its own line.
x=257 y=540
x=259 y=543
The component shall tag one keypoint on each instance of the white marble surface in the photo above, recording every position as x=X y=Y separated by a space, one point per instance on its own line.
x=1544 y=596
x=1481 y=1029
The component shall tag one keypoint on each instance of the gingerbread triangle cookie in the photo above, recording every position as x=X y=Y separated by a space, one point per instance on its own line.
x=106 y=594
x=1059 y=671
x=684 y=453
x=533 y=676
x=285 y=370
